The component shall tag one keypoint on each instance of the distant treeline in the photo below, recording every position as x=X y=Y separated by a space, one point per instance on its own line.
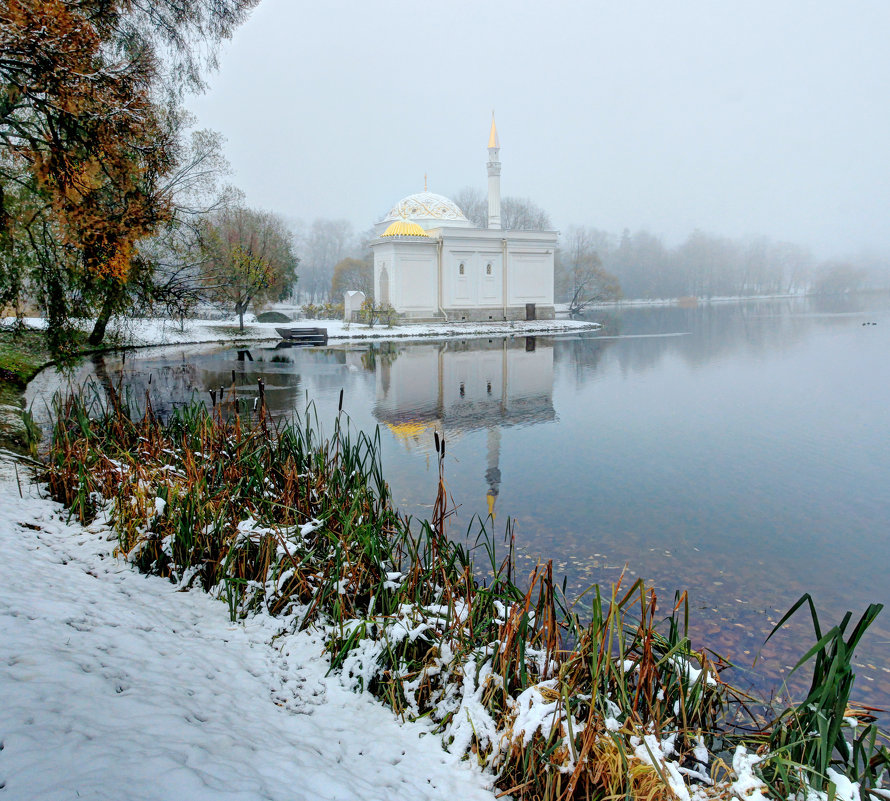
x=705 y=265
x=334 y=256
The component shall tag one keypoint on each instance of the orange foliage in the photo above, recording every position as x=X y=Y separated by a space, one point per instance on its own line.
x=117 y=268
x=86 y=127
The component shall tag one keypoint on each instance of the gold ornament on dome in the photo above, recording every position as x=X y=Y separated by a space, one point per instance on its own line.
x=425 y=206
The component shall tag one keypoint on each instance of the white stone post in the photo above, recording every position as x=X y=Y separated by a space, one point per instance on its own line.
x=352 y=303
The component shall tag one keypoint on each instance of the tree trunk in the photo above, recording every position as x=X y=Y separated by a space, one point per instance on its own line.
x=56 y=313
x=108 y=304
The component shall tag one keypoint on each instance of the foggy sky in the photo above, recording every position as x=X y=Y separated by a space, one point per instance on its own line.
x=755 y=117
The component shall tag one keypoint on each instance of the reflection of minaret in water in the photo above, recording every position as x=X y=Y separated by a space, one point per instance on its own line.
x=493 y=473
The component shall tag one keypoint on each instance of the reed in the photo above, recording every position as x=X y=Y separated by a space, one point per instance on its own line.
x=274 y=516
x=809 y=739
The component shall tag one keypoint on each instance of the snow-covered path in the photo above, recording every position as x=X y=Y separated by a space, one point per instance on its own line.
x=113 y=685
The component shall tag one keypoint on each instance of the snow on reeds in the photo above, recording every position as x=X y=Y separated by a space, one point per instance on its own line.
x=274 y=516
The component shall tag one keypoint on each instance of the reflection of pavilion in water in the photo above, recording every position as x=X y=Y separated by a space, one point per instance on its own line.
x=455 y=388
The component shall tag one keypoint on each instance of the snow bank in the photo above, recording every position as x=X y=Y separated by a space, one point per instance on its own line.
x=115 y=685
x=153 y=331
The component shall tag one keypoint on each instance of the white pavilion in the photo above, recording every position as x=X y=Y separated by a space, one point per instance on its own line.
x=431 y=263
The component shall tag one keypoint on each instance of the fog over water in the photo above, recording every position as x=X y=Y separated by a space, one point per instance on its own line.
x=740 y=119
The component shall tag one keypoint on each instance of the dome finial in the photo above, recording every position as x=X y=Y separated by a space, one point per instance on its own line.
x=424 y=182
x=493 y=140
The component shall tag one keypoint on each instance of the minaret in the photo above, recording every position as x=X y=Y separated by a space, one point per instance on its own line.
x=494 y=177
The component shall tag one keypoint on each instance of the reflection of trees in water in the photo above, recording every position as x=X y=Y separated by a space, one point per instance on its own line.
x=381 y=356
x=239 y=377
x=326 y=366
x=290 y=376
x=380 y=353
x=581 y=355
x=710 y=331
x=839 y=304
x=168 y=385
x=100 y=370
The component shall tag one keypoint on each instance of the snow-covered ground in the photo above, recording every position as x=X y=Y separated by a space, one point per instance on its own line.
x=114 y=685
x=159 y=332
x=145 y=331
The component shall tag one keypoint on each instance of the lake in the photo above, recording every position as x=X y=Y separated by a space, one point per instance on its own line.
x=740 y=451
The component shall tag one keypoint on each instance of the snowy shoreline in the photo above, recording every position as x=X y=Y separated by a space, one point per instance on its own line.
x=120 y=685
x=127 y=685
x=149 y=332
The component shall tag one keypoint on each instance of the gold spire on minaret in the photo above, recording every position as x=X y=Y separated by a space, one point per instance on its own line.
x=493 y=140
x=424 y=182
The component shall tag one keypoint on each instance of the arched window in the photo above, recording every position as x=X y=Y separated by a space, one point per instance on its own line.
x=460 y=270
x=488 y=268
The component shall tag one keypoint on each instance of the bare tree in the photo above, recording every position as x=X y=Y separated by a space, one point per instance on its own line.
x=795 y=264
x=184 y=33
x=174 y=285
x=474 y=205
x=522 y=214
x=580 y=277
x=321 y=246
x=838 y=278
x=517 y=213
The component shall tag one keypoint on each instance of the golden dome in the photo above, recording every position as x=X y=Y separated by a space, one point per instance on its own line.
x=404 y=228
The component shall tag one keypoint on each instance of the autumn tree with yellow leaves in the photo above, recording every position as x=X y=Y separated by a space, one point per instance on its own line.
x=250 y=258
x=91 y=129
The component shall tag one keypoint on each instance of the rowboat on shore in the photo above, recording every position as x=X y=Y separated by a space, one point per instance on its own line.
x=304 y=336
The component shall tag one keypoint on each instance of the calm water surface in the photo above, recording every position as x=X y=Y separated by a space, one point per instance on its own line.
x=739 y=451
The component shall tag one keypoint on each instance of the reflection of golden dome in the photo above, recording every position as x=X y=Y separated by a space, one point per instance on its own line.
x=404 y=228
x=410 y=430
